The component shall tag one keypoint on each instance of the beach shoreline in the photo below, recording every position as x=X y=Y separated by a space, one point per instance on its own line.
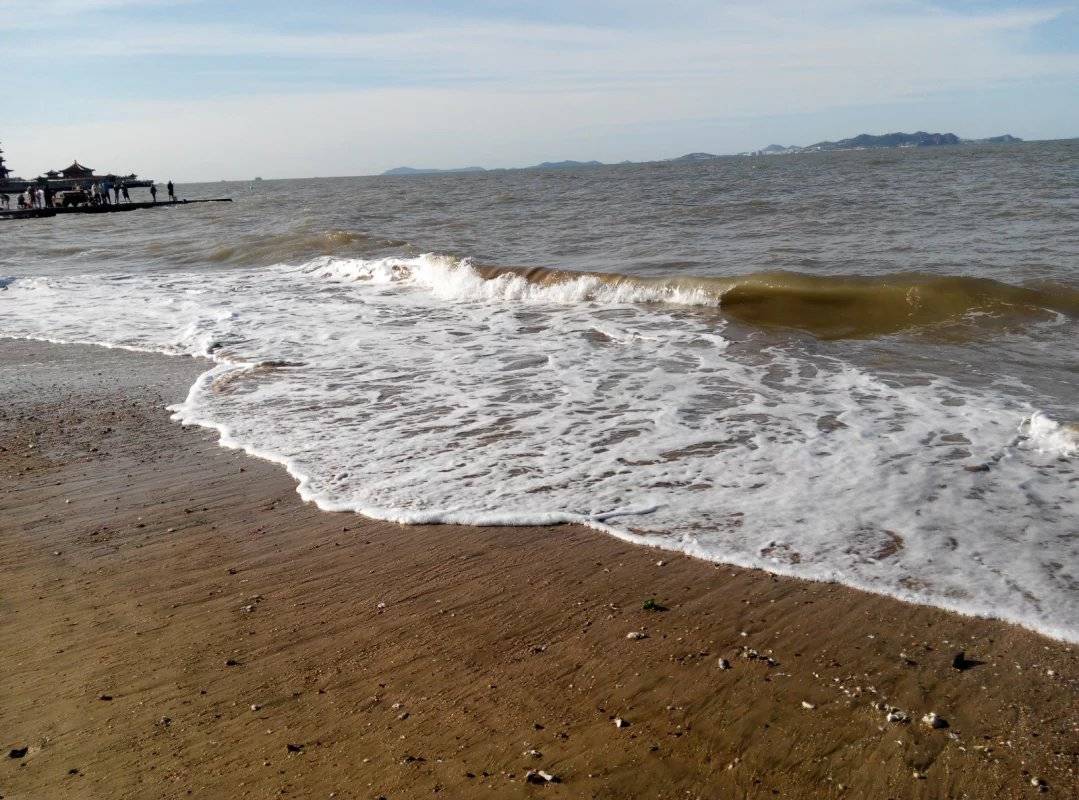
x=250 y=644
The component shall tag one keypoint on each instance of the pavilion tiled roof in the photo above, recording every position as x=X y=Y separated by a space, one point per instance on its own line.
x=77 y=169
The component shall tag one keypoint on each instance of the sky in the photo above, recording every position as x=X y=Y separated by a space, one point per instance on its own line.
x=209 y=90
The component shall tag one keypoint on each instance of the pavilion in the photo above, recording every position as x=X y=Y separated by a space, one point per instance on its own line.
x=75 y=172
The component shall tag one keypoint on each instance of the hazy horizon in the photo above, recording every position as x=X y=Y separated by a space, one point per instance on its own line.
x=425 y=169
x=193 y=91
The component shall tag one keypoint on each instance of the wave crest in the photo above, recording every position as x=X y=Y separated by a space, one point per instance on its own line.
x=828 y=307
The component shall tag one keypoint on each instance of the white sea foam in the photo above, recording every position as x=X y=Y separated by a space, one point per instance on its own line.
x=417 y=391
x=1049 y=436
x=449 y=279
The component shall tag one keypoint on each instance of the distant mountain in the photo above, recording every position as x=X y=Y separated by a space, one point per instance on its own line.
x=550 y=165
x=1005 y=139
x=545 y=165
x=866 y=141
x=690 y=157
x=566 y=165
x=424 y=171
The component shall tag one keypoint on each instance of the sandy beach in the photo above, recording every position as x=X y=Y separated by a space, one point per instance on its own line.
x=177 y=623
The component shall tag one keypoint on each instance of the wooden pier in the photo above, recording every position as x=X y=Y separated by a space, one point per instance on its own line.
x=34 y=213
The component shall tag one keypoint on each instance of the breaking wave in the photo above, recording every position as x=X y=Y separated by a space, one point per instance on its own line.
x=826 y=306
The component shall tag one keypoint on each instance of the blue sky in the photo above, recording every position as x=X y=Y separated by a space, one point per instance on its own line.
x=192 y=89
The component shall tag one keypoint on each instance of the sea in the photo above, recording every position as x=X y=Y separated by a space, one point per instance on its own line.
x=858 y=367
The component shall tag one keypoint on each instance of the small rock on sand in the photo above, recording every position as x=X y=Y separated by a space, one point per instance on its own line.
x=933 y=720
x=636 y=635
x=620 y=723
x=540 y=777
x=17 y=752
x=807 y=705
x=724 y=663
x=294 y=748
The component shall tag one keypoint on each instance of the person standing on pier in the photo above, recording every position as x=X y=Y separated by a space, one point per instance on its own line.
x=40 y=196
x=116 y=192
x=123 y=190
x=172 y=191
x=153 y=192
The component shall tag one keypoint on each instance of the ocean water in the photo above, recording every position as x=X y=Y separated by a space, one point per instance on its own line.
x=858 y=367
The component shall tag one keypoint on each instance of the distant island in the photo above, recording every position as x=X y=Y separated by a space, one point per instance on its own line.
x=544 y=165
x=689 y=157
x=426 y=171
x=864 y=141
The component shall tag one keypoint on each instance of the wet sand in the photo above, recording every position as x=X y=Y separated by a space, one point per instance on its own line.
x=177 y=623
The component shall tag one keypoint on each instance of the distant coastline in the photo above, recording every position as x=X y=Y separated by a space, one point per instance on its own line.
x=864 y=141
x=867 y=141
x=544 y=165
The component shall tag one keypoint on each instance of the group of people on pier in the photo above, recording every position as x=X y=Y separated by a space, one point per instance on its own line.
x=95 y=193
